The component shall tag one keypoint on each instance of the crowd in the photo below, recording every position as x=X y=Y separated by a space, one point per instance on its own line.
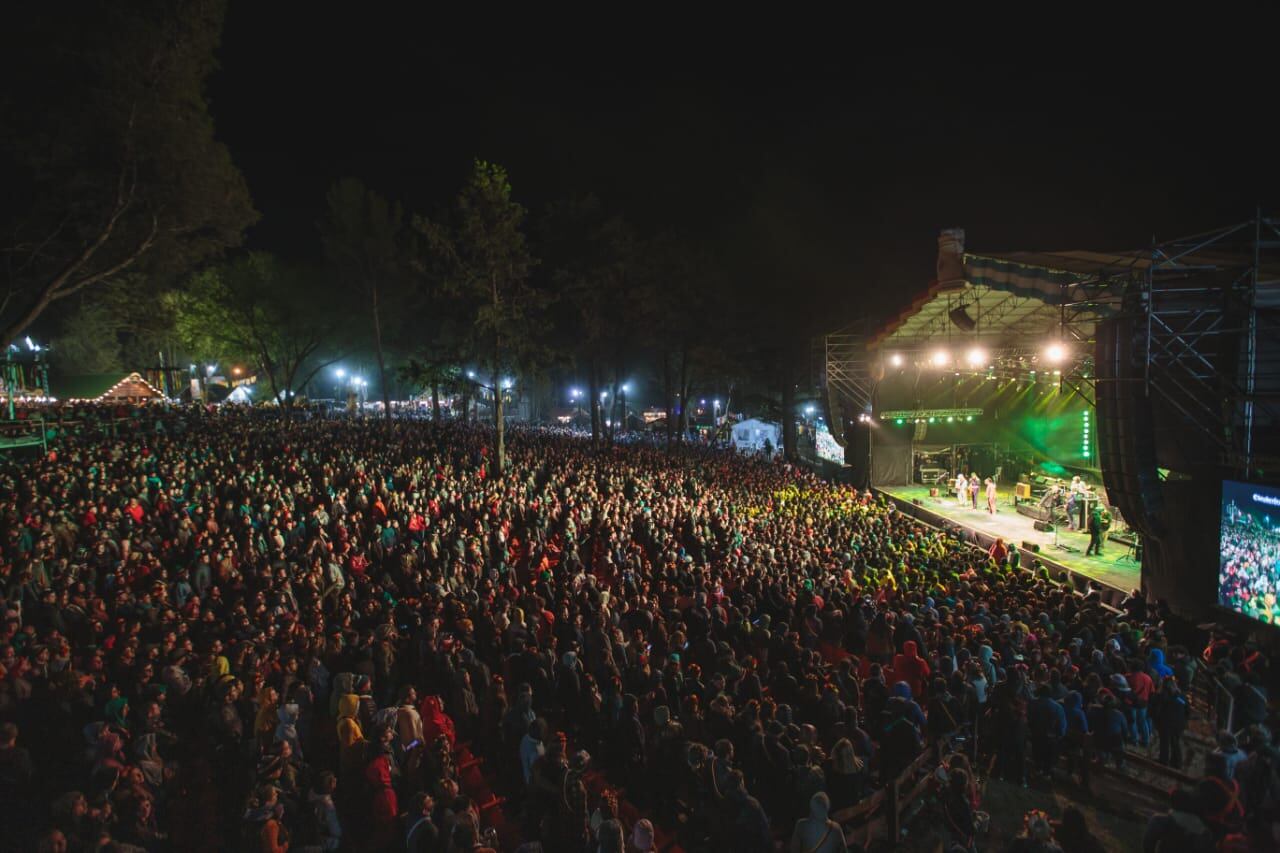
x=224 y=631
x=1249 y=576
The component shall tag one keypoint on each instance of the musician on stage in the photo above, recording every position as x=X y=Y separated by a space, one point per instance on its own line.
x=1099 y=521
x=975 y=485
x=1077 y=493
x=991 y=496
x=962 y=488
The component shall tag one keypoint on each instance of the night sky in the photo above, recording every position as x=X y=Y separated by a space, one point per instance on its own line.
x=817 y=168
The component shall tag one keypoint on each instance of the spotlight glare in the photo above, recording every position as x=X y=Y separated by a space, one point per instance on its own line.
x=1056 y=353
x=896 y=359
x=977 y=357
x=939 y=358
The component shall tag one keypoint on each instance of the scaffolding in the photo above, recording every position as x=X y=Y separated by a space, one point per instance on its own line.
x=1209 y=311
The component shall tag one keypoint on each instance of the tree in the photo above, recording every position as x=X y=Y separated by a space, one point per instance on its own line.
x=602 y=306
x=110 y=165
x=257 y=309
x=364 y=237
x=481 y=258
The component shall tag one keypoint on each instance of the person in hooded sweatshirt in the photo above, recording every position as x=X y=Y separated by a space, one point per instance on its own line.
x=351 y=742
x=1155 y=663
x=817 y=833
x=1169 y=713
x=287 y=729
x=1047 y=721
x=900 y=739
x=911 y=668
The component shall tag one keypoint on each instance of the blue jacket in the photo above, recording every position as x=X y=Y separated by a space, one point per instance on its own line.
x=1073 y=707
x=1045 y=716
x=1155 y=660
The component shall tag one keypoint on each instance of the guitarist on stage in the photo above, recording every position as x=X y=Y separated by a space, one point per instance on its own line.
x=1099 y=522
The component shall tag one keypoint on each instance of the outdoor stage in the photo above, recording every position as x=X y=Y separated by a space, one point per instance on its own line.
x=1114 y=568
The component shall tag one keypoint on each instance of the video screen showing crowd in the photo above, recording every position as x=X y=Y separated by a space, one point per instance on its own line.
x=1249 y=551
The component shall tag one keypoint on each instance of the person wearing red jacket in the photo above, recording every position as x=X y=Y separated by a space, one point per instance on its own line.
x=1141 y=687
x=911 y=668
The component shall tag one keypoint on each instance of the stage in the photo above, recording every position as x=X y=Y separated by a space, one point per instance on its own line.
x=1115 y=568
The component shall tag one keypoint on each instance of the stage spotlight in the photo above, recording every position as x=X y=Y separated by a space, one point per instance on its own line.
x=951 y=419
x=969 y=417
x=977 y=357
x=1055 y=353
x=896 y=359
x=898 y=421
x=939 y=358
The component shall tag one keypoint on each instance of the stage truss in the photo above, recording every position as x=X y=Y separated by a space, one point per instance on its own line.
x=1206 y=309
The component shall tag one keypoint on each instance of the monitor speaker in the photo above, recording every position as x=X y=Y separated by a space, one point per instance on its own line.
x=1043 y=526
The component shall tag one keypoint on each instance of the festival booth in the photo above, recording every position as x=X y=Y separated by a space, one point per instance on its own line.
x=130 y=389
x=756 y=436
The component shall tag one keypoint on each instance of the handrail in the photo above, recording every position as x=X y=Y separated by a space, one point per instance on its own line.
x=888 y=802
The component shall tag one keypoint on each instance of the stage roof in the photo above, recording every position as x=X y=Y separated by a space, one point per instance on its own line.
x=1012 y=298
x=1018 y=297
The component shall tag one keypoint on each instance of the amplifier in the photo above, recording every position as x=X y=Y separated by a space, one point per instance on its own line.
x=933 y=491
x=1033 y=511
x=1022 y=491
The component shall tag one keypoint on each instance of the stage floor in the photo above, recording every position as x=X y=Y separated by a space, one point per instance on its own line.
x=1114 y=568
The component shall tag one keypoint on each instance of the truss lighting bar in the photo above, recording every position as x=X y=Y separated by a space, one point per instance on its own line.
x=930 y=415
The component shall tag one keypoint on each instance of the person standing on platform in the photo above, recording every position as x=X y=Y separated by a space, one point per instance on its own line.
x=962 y=488
x=1096 y=530
x=974 y=486
x=991 y=496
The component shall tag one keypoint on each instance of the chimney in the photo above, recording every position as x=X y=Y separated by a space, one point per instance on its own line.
x=951 y=257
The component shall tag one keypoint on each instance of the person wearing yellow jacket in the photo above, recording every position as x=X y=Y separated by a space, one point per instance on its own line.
x=350 y=735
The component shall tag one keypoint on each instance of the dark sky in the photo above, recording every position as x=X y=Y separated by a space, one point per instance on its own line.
x=810 y=165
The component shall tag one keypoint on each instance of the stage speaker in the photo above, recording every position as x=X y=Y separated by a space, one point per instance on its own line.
x=916 y=502
x=1043 y=526
x=961 y=318
x=933 y=492
x=1023 y=491
x=1029 y=546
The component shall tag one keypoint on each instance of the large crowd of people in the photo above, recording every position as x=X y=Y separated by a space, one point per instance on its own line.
x=223 y=630
x=1249 y=574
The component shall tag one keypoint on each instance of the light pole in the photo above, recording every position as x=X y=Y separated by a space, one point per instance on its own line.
x=622 y=399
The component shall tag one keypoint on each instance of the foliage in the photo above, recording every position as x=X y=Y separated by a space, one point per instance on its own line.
x=266 y=313
x=111 y=163
x=482 y=259
x=365 y=240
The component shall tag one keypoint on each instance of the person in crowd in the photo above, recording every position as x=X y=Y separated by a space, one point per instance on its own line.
x=227 y=628
x=1170 y=712
x=817 y=833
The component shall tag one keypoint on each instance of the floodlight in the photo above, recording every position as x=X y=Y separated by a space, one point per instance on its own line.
x=1055 y=353
x=896 y=359
x=977 y=357
x=940 y=358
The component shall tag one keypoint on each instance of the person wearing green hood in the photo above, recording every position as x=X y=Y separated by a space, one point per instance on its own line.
x=117 y=713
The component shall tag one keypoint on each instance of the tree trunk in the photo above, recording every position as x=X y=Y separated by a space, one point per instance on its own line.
x=594 y=392
x=377 y=345
x=788 y=414
x=435 y=402
x=500 y=448
x=668 y=394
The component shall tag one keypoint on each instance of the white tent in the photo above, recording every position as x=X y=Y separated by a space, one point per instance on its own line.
x=751 y=435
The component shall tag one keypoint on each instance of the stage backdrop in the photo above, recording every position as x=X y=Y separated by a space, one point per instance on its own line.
x=1050 y=429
